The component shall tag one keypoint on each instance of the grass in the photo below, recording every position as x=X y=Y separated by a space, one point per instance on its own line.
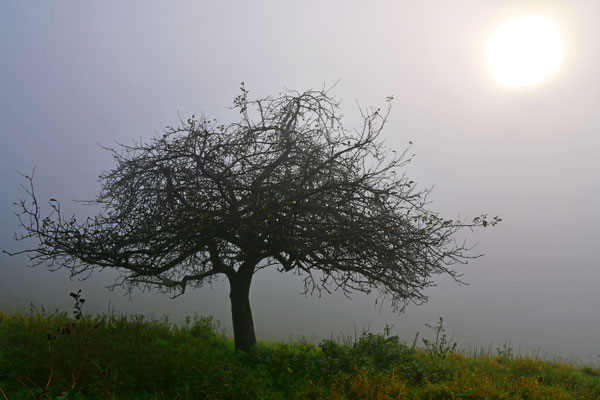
x=131 y=357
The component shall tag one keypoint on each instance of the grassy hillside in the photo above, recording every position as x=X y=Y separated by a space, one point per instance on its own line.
x=134 y=358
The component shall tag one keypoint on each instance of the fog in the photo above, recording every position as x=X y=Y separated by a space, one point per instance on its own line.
x=77 y=74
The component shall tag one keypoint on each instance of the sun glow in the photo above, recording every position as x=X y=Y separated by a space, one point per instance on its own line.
x=524 y=50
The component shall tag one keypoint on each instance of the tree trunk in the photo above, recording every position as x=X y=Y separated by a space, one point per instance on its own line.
x=243 y=325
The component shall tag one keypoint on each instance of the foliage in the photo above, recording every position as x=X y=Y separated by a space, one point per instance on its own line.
x=137 y=358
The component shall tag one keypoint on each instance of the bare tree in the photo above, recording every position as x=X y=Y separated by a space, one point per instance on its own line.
x=286 y=186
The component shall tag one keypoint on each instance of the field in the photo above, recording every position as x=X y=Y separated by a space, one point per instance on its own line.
x=120 y=357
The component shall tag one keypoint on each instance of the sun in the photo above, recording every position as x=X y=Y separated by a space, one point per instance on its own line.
x=524 y=50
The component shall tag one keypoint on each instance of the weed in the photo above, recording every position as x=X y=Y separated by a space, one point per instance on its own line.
x=441 y=347
x=138 y=358
x=506 y=351
x=81 y=324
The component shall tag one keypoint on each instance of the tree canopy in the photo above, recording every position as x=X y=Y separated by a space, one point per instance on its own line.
x=287 y=187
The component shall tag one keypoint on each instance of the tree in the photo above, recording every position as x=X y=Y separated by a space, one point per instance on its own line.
x=286 y=186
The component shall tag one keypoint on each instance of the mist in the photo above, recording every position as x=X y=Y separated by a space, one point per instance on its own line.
x=75 y=75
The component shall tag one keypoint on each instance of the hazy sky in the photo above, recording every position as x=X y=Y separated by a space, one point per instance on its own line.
x=74 y=74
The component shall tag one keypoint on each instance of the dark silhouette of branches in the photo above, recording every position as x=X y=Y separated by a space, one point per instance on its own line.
x=286 y=186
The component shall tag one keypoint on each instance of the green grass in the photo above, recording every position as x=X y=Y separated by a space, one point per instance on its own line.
x=136 y=358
